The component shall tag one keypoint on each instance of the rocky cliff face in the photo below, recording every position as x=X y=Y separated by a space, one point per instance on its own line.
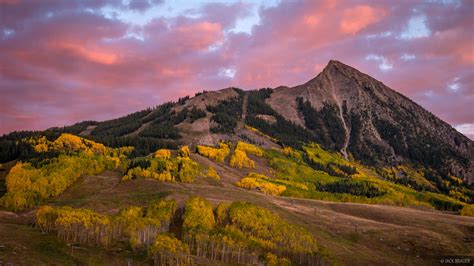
x=373 y=122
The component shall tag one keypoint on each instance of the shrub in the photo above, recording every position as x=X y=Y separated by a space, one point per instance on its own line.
x=215 y=154
x=184 y=151
x=258 y=181
x=468 y=210
x=187 y=169
x=196 y=113
x=240 y=160
x=288 y=151
x=212 y=173
x=249 y=148
x=163 y=153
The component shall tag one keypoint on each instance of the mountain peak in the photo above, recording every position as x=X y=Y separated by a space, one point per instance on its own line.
x=367 y=119
x=333 y=62
x=335 y=72
x=341 y=67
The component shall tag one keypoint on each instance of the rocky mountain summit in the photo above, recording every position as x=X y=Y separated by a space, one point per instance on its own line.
x=373 y=122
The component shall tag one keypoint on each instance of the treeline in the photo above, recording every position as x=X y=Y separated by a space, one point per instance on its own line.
x=405 y=140
x=212 y=174
x=79 y=127
x=67 y=143
x=249 y=148
x=353 y=187
x=168 y=250
x=231 y=233
x=402 y=178
x=164 y=119
x=160 y=133
x=285 y=132
x=195 y=114
x=109 y=133
x=72 y=145
x=142 y=146
x=227 y=113
x=120 y=126
x=418 y=146
x=325 y=123
x=162 y=123
x=239 y=157
x=11 y=150
x=361 y=147
x=423 y=149
x=14 y=146
x=445 y=205
x=333 y=169
x=358 y=185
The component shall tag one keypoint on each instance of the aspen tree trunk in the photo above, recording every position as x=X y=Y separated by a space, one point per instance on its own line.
x=223 y=252
x=238 y=256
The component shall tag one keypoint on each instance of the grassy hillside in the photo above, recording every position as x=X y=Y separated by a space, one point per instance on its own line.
x=312 y=206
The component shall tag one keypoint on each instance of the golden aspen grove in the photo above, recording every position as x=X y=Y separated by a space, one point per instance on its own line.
x=29 y=184
x=240 y=159
x=216 y=154
x=163 y=167
x=257 y=181
x=238 y=232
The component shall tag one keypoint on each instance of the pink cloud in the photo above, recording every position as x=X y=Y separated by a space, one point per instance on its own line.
x=94 y=55
x=357 y=18
x=198 y=36
x=62 y=64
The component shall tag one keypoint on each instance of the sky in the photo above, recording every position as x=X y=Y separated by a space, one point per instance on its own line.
x=62 y=62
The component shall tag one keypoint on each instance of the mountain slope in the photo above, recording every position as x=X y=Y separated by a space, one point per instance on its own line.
x=374 y=123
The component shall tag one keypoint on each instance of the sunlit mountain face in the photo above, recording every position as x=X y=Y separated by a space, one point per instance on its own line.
x=115 y=57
